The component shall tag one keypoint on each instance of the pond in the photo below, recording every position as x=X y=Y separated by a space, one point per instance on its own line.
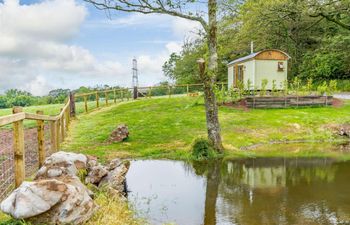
x=242 y=191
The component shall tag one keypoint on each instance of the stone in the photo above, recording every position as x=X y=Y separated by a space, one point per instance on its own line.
x=115 y=179
x=120 y=134
x=114 y=164
x=57 y=195
x=96 y=174
x=33 y=198
x=62 y=163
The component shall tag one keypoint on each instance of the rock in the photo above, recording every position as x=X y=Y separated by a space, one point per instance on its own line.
x=340 y=129
x=62 y=163
x=57 y=195
x=96 y=174
x=114 y=164
x=119 y=134
x=115 y=179
x=33 y=198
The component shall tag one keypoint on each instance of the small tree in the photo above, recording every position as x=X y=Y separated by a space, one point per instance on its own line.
x=249 y=86
x=274 y=88
x=309 y=85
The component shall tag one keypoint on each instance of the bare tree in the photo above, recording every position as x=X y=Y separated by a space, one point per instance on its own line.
x=180 y=8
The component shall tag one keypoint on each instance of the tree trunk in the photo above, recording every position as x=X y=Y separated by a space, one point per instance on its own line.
x=208 y=78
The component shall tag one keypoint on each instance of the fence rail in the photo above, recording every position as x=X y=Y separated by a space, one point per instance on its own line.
x=58 y=126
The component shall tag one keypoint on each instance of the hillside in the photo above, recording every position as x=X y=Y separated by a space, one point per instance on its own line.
x=165 y=128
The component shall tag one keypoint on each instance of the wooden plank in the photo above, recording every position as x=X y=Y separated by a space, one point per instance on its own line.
x=31 y=116
x=272 y=55
x=5 y=120
x=18 y=145
x=41 y=140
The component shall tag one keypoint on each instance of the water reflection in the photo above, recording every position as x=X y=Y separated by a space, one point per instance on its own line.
x=246 y=191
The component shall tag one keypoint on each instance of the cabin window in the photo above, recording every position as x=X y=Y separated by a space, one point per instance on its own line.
x=280 y=66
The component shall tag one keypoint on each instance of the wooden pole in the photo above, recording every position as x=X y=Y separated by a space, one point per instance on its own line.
x=41 y=139
x=97 y=100
x=18 y=145
x=188 y=90
x=66 y=120
x=57 y=123
x=72 y=104
x=53 y=136
x=85 y=104
x=106 y=98
x=62 y=125
x=115 y=96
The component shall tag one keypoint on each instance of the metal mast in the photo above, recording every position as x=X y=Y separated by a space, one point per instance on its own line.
x=135 y=78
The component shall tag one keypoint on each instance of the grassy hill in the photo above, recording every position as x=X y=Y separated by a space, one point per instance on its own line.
x=165 y=128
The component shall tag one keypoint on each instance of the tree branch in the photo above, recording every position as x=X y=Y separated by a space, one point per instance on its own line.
x=148 y=7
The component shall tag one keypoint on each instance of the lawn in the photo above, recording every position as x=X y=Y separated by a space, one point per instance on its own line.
x=165 y=128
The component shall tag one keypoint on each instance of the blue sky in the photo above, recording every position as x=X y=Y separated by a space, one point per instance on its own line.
x=51 y=44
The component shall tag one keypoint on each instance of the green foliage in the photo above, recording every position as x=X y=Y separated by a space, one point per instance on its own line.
x=264 y=83
x=274 y=88
x=201 y=149
x=296 y=85
x=322 y=88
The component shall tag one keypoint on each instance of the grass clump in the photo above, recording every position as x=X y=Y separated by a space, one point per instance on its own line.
x=202 y=149
x=113 y=211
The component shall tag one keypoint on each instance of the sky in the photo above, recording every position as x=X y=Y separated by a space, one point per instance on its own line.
x=49 y=44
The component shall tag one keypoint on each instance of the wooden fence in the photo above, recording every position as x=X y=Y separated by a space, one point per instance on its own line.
x=143 y=92
x=287 y=101
x=58 y=129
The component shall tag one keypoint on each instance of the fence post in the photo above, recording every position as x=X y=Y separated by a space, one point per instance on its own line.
x=72 y=104
x=41 y=139
x=188 y=90
x=85 y=104
x=66 y=117
x=18 y=145
x=115 y=95
x=62 y=125
x=53 y=136
x=57 y=123
x=97 y=100
x=106 y=98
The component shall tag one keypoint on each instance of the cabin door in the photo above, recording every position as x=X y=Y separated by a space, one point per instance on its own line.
x=240 y=75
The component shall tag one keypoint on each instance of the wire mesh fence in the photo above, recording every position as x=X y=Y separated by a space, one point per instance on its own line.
x=7 y=181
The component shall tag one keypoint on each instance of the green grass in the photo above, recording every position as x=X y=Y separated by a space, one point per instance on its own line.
x=165 y=128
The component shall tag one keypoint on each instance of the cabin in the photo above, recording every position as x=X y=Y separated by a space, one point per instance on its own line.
x=267 y=64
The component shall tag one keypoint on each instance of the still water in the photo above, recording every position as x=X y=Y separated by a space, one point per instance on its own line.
x=245 y=191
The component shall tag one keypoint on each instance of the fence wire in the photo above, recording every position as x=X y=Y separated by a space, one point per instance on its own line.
x=7 y=181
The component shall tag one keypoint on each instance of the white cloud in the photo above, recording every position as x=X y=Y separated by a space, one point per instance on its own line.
x=33 y=46
x=36 y=54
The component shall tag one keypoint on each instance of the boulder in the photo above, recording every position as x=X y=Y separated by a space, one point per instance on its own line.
x=57 y=195
x=119 y=134
x=115 y=180
x=96 y=174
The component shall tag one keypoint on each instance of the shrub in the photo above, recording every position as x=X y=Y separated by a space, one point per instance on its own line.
x=201 y=149
x=264 y=83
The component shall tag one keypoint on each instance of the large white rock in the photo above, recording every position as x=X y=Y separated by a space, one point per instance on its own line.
x=33 y=198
